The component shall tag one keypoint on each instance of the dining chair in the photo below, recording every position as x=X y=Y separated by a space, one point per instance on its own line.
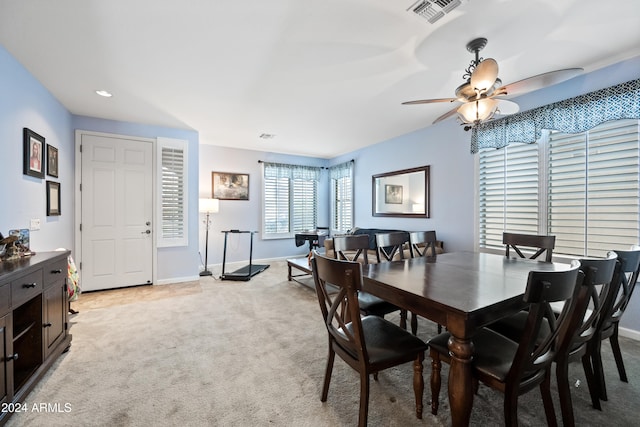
x=612 y=311
x=389 y=247
x=581 y=329
x=597 y=284
x=368 y=344
x=515 y=368
x=539 y=243
x=422 y=243
x=352 y=248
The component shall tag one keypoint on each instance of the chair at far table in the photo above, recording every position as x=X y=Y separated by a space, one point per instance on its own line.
x=539 y=243
x=515 y=368
x=353 y=248
x=612 y=311
x=368 y=344
x=422 y=243
x=389 y=247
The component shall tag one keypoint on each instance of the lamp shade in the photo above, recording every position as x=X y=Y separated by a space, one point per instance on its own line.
x=209 y=205
x=477 y=111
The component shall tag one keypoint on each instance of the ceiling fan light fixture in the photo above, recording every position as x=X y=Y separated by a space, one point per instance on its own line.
x=484 y=77
x=477 y=111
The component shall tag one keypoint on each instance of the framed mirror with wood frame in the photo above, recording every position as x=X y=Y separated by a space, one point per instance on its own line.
x=402 y=193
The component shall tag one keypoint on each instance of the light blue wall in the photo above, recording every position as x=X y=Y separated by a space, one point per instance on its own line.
x=176 y=263
x=247 y=214
x=24 y=102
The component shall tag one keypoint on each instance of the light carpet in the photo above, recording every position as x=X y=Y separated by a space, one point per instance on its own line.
x=223 y=353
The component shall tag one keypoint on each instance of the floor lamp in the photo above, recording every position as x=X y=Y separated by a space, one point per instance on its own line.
x=207 y=206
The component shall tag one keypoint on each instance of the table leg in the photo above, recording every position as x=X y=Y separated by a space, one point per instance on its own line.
x=460 y=381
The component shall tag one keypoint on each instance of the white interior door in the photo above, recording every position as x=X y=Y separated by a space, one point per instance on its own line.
x=116 y=211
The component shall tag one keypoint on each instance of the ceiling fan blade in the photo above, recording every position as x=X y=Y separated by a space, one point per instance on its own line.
x=446 y=115
x=538 y=82
x=429 y=101
x=485 y=75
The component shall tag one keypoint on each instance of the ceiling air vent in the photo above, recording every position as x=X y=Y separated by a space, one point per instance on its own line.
x=434 y=9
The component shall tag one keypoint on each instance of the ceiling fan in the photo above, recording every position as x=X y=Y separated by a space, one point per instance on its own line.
x=482 y=94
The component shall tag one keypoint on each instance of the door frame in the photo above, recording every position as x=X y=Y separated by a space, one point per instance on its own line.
x=78 y=195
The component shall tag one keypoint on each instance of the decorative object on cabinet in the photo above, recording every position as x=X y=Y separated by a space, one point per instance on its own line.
x=23 y=237
x=52 y=161
x=33 y=154
x=53 y=198
x=34 y=322
x=403 y=193
x=230 y=186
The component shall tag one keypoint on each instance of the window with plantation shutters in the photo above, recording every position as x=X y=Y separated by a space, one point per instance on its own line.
x=341 y=197
x=585 y=191
x=508 y=193
x=290 y=199
x=593 y=203
x=172 y=212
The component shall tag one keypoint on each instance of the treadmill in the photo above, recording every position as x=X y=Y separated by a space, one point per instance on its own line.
x=248 y=271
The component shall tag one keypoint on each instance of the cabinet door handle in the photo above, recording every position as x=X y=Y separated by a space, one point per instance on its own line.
x=29 y=285
x=47 y=325
x=58 y=271
x=13 y=357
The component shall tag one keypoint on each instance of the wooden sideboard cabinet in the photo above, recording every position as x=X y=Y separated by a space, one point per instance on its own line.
x=34 y=322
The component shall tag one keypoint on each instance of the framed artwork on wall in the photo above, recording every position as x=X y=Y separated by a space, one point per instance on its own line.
x=33 y=154
x=52 y=161
x=53 y=198
x=230 y=186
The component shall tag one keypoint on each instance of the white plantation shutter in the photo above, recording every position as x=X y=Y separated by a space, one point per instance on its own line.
x=591 y=183
x=172 y=212
x=594 y=189
x=290 y=197
x=276 y=206
x=305 y=203
x=342 y=197
x=508 y=193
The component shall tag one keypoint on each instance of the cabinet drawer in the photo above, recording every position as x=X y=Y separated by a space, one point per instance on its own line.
x=54 y=272
x=5 y=298
x=26 y=287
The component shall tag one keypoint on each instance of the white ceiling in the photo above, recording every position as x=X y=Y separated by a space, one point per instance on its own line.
x=326 y=77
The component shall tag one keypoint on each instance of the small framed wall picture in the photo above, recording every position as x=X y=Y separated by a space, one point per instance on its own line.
x=52 y=161
x=53 y=198
x=230 y=186
x=33 y=154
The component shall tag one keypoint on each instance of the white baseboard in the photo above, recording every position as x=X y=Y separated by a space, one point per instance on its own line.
x=177 y=280
x=629 y=333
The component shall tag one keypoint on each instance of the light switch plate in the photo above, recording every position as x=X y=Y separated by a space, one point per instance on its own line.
x=35 y=224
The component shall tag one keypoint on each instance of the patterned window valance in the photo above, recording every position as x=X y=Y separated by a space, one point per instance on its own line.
x=342 y=170
x=570 y=116
x=281 y=170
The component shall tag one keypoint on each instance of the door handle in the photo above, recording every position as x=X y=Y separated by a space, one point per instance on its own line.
x=146 y=232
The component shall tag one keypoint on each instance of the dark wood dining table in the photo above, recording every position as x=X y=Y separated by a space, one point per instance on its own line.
x=462 y=291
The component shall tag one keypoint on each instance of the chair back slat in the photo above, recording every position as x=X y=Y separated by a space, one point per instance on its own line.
x=340 y=308
x=540 y=243
x=595 y=288
x=536 y=350
x=622 y=287
x=390 y=244
x=422 y=243
x=350 y=248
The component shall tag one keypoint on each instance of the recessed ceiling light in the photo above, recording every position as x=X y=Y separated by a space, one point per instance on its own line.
x=104 y=93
